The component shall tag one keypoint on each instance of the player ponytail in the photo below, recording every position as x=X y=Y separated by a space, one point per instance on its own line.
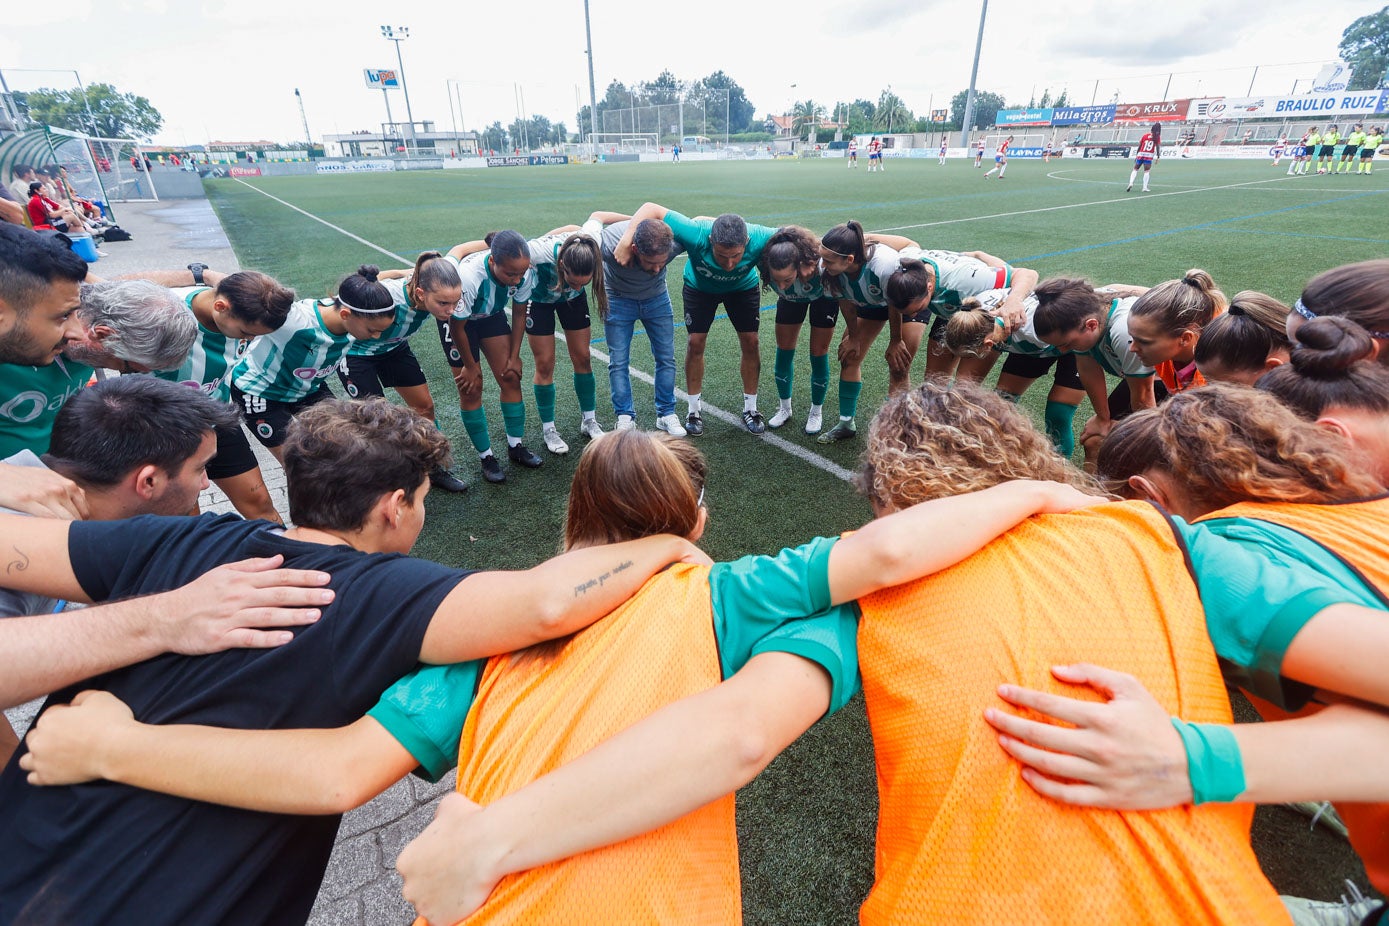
x=1177 y=306
x=582 y=256
x=848 y=240
x=433 y=272
x=1241 y=342
x=968 y=328
x=1359 y=292
x=1064 y=304
x=911 y=281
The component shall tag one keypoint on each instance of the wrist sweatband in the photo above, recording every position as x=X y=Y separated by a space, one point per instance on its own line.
x=1212 y=760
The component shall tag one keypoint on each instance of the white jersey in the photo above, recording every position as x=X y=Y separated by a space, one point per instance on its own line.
x=407 y=320
x=868 y=287
x=1112 y=350
x=541 y=283
x=1024 y=340
x=209 y=363
x=289 y=364
x=958 y=276
x=483 y=293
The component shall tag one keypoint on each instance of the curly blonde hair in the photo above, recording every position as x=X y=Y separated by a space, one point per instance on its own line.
x=937 y=440
x=1227 y=444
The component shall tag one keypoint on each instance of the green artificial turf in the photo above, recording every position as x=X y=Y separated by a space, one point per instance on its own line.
x=806 y=826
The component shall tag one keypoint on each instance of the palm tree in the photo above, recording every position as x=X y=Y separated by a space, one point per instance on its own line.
x=806 y=112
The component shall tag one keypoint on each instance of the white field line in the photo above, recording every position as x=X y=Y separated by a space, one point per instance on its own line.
x=796 y=450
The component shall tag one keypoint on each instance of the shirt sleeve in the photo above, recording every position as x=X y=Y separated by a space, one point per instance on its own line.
x=110 y=558
x=425 y=712
x=828 y=639
x=1259 y=591
x=594 y=229
x=688 y=233
x=472 y=280
x=754 y=594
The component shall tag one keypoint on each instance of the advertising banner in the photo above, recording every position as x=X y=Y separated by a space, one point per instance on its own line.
x=509 y=161
x=1168 y=111
x=1024 y=153
x=537 y=159
x=1311 y=106
x=244 y=172
x=1332 y=78
x=381 y=78
x=1106 y=151
x=1016 y=117
x=421 y=164
x=354 y=167
x=1082 y=115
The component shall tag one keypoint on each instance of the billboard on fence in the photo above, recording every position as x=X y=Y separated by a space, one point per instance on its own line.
x=354 y=167
x=1104 y=151
x=528 y=160
x=1025 y=153
x=1167 y=111
x=1016 y=117
x=244 y=172
x=421 y=164
x=1082 y=115
x=381 y=78
x=1312 y=105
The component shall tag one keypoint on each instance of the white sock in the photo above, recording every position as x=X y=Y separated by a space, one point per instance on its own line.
x=513 y=441
x=545 y=426
x=1133 y=175
x=1002 y=172
x=485 y=454
x=694 y=404
x=784 y=404
x=749 y=402
x=590 y=416
x=817 y=408
x=846 y=418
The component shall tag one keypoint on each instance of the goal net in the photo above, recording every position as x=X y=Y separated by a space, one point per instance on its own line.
x=625 y=142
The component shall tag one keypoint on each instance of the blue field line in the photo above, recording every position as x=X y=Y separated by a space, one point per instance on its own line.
x=1252 y=231
x=1187 y=228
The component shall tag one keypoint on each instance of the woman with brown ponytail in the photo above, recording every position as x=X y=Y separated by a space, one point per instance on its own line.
x=1246 y=342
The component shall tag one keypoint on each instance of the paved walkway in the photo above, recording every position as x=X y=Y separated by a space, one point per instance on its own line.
x=361 y=886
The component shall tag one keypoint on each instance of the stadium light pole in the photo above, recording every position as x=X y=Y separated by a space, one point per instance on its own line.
x=592 y=93
x=302 y=115
x=399 y=34
x=973 y=76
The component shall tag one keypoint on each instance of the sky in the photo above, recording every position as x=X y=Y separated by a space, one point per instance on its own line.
x=227 y=71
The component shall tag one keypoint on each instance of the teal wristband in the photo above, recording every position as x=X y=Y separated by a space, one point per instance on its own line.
x=1212 y=760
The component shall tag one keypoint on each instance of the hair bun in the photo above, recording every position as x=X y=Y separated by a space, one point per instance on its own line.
x=1326 y=347
x=369 y=271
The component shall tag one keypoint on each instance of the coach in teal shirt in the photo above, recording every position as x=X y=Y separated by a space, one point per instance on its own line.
x=722 y=270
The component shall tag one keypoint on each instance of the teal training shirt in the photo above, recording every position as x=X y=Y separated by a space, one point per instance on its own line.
x=702 y=272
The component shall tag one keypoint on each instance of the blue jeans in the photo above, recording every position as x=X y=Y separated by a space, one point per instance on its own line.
x=657 y=318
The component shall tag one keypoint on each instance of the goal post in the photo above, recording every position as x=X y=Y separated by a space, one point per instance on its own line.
x=625 y=142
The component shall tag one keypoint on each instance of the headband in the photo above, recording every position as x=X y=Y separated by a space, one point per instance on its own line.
x=833 y=251
x=1308 y=314
x=352 y=308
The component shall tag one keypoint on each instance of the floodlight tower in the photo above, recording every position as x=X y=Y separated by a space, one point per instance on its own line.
x=399 y=34
x=973 y=75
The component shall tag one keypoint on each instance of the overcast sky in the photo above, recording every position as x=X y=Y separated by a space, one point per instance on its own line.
x=228 y=70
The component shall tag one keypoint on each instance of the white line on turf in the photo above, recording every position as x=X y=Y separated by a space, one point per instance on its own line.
x=1099 y=202
x=796 y=450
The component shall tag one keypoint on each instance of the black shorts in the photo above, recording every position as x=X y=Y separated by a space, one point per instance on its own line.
x=1121 y=401
x=1349 y=151
x=477 y=328
x=234 y=454
x=924 y=316
x=823 y=312
x=540 y=316
x=369 y=374
x=1030 y=366
x=1367 y=154
x=268 y=419
x=1326 y=151
x=873 y=313
x=744 y=309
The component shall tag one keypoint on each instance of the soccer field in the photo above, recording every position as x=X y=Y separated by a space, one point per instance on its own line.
x=806 y=826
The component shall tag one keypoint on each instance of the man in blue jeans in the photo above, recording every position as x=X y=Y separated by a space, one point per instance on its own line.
x=638 y=293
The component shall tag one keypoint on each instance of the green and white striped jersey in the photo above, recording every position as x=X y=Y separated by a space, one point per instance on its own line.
x=1024 y=340
x=483 y=294
x=209 y=364
x=867 y=287
x=803 y=290
x=541 y=283
x=1111 y=351
x=407 y=321
x=958 y=277
x=287 y=365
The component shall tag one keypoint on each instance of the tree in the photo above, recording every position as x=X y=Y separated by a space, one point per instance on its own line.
x=666 y=88
x=891 y=114
x=113 y=114
x=1365 y=47
x=986 y=107
x=806 y=112
x=740 y=111
x=493 y=138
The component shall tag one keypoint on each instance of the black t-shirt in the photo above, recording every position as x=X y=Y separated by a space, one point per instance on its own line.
x=108 y=854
